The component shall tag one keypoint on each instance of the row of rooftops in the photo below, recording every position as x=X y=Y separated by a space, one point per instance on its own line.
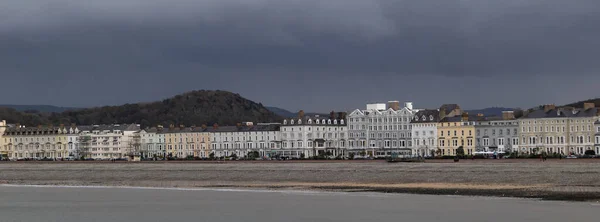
x=453 y=113
x=315 y=121
x=446 y=113
x=18 y=129
x=246 y=127
x=117 y=128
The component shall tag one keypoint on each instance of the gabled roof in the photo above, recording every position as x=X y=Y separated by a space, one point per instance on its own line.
x=431 y=115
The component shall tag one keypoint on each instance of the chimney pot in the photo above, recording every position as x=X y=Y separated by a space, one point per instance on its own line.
x=549 y=107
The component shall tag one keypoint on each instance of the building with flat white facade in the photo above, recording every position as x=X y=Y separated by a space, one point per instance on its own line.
x=109 y=141
x=424 y=132
x=497 y=134
x=563 y=130
x=313 y=136
x=381 y=129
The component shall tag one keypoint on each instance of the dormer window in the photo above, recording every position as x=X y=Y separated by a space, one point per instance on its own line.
x=309 y=121
x=299 y=121
x=292 y=122
x=431 y=117
x=342 y=122
x=284 y=122
x=318 y=122
x=423 y=118
x=335 y=122
x=416 y=118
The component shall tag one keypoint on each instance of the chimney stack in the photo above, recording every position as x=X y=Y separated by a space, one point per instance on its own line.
x=549 y=107
x=408 y=105
x=465 y=117
x=508 y=115
x=301 y=114
x=587 y=106
x=395 y=105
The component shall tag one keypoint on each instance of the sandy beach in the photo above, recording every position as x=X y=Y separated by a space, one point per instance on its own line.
x=573 y=180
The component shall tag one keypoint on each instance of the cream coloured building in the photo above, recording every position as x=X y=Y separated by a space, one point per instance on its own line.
x=40 y=142
x=186 y=142
x=561 y=130
x=263 y=138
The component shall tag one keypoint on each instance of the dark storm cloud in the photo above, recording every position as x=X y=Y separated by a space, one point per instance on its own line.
x=372 y=50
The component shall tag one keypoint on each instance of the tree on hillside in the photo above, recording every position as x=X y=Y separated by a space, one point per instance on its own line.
x=195 y=107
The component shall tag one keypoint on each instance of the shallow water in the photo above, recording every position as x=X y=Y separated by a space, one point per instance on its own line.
x=71 y=204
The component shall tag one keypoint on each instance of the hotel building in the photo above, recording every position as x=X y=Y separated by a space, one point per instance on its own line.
x=381 y=129
x=313 y=136
x=563 y=130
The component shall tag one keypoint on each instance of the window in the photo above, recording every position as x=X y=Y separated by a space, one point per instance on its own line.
x=500 y=141
x=486 y=142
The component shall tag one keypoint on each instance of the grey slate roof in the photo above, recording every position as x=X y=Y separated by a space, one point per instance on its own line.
x=471 y=118
x=253 y=128
x=562 y=112
x=124 y=127
x=305 y=121
x=427 y=113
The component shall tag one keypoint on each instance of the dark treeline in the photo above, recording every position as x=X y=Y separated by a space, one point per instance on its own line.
x=192 y=108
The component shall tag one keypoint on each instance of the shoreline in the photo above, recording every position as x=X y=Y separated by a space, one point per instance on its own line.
x=538 y=193
x=551 y=180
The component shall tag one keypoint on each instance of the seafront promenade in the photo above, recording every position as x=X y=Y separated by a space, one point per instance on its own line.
x=566 y=179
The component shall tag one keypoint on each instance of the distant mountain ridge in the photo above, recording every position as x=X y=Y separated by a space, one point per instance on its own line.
x=491 y=111
x=287 y=114
x=192 y=108
x=39 y=108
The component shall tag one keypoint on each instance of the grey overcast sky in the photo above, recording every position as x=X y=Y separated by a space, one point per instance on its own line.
x=316 y=55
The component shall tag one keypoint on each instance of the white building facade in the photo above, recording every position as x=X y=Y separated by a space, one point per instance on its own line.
x=424 y=133
x=381 y=129
x=104 y=142
x=314 y=136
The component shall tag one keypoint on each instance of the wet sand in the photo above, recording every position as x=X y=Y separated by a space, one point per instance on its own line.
x=574 y=180
x=90 y=204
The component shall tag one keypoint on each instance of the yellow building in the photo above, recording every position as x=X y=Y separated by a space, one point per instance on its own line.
x=455 y=132
x=183 y=142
